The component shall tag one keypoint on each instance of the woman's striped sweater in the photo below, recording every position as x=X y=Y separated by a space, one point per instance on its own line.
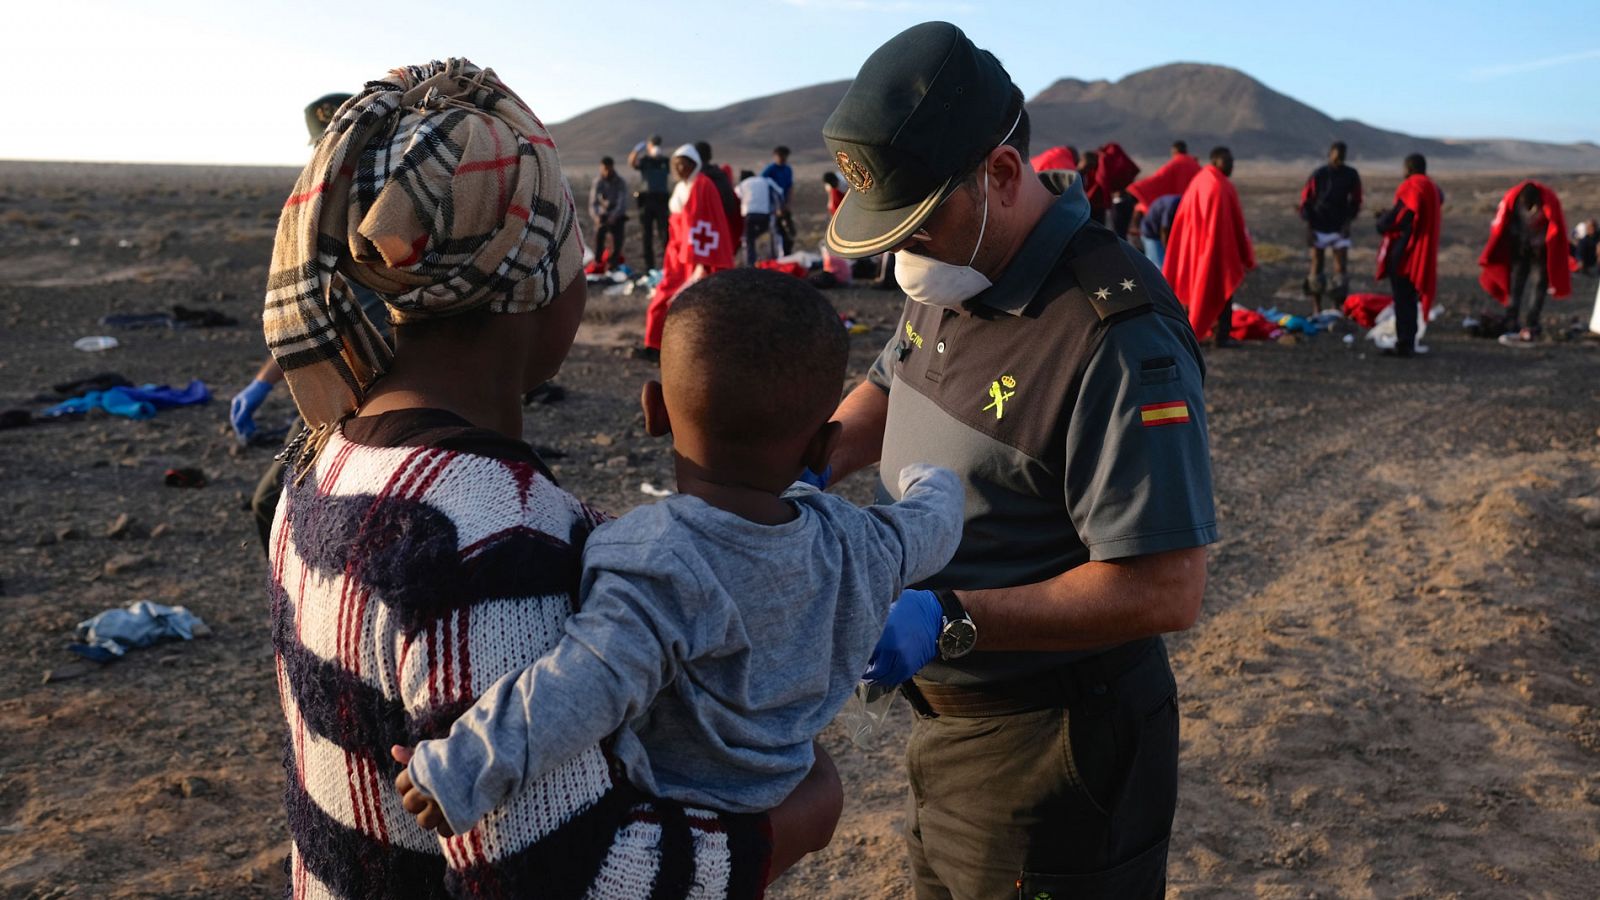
x=404 y=582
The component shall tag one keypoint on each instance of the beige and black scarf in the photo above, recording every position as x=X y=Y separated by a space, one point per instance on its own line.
x=436 y=187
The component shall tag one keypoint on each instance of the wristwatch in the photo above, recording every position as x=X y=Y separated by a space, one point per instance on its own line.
x=959 y=633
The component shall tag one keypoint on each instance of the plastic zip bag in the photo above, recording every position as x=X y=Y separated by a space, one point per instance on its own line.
x=866 y=711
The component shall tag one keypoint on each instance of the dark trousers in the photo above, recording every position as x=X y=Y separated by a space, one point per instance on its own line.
x=755 y=225
x=783 y=231
x=1406 y=303
x=1529 y=259
x=1122 y=214
x=1223 y=331
x=616 y=230
x=264 y=502
x=1075 y=802
x=652 y=217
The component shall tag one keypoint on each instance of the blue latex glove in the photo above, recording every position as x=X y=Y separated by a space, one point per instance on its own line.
x=242 y=411
x=820 y=482
x=910 y=639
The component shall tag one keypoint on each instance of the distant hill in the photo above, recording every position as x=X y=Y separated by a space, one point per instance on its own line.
x=1202 y=104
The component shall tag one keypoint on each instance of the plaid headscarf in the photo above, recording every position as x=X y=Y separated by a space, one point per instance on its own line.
x=436 y=187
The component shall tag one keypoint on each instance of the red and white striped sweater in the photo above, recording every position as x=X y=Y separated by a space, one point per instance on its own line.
x=404 y=582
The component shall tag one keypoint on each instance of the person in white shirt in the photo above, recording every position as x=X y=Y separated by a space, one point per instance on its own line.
x=759 y=199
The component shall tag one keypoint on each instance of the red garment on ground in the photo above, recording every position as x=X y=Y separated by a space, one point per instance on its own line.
x=1208 y=250
x=1363 y=309
x=1497 y=254
x=1419 y=194
x=1055 y=158
x=787 y=268
x=1117 y=169
x=697 y=235
x=1249 y=325
x=1172 y=178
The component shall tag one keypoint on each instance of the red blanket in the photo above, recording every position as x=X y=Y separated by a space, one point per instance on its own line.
x=1171 y=178
x=1055 y=158
x=795 y=269
x=1497 y=254
x=1363 y=309
x=1117 y=169
x=1249 y=325
x=1209 y=249
x=1419 y=194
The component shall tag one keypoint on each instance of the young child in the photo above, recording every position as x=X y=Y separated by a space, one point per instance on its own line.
x=723 y=628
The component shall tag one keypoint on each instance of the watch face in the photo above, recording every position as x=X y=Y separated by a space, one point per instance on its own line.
x=957 y=639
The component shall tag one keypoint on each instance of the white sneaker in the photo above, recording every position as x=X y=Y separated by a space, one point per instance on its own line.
x=1419 y=349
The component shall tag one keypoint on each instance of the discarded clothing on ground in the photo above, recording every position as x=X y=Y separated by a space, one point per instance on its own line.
x=132 y=402
x=103 y=381
x=180 y=317
x=1363 y=309
x=111 y=634
x=1251 y=325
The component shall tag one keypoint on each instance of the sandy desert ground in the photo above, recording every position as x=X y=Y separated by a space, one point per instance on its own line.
x=1391 y=691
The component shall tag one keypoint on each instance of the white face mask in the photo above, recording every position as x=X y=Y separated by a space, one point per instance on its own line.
x=938 y=283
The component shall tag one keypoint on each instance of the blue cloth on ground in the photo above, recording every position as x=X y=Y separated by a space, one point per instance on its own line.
x=111 y=634
x=133 y=403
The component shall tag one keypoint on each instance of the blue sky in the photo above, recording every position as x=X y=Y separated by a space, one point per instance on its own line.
x=225 y=81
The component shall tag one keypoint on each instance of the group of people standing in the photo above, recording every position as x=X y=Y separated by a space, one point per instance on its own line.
x=699 y=212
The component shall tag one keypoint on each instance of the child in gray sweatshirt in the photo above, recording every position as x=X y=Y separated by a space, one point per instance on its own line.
x=723 y=628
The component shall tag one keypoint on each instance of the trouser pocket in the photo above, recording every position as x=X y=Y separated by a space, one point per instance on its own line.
x=1140 y=878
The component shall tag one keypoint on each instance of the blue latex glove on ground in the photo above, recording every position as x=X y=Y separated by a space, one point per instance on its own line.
x=910 y=639
x=820 y=482
x=243 y=409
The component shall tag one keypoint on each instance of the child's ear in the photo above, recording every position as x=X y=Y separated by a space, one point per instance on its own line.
x=820 y=449
x=654 y=404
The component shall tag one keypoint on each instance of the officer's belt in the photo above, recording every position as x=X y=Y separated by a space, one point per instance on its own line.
x=1067 y=685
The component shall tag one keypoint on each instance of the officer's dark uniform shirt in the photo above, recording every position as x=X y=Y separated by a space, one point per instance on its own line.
x=1068 y=398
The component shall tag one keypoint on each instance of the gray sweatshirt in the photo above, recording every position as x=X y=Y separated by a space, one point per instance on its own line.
x=718 y=646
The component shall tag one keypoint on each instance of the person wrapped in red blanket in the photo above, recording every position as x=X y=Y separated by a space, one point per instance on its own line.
x=1173 y=176
x=1528 y=236
x=1209 y=249
x=1117 y=171
x=1061 y=157
x=1409 y=254
x=699 y=243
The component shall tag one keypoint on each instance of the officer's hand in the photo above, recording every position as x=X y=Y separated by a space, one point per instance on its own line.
x=910 y=639
x=816 y=480
x=243 y=409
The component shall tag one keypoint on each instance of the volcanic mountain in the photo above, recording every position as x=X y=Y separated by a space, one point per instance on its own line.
x=1144 y=111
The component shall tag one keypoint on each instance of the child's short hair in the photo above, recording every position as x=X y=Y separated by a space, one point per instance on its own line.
x=760 y=354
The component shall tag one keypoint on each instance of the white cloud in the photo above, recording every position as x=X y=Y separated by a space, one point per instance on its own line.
x=1487 y=73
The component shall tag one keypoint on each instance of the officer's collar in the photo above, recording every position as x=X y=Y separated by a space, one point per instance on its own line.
x=1039 y=254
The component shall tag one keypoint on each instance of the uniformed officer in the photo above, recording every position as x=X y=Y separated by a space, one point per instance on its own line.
x=1048 y=363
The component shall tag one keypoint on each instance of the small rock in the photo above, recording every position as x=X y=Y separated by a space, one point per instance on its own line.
x=46 y=539
x=617 y=462
x=68 y=533
x=123 y=562
x=194 y=786
x=1591 y=518
x=123 y=527
x=235 y=851
x=602 y=440
x=160 y=530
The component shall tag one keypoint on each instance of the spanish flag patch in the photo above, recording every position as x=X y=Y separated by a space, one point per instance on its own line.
x=1174 y=413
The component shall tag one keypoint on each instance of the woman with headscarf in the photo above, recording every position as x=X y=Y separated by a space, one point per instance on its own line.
x=422 y=549
x=699 y=242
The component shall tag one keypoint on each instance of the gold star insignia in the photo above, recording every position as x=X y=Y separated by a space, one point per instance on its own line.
x=1102 y=294
x=1127 y=284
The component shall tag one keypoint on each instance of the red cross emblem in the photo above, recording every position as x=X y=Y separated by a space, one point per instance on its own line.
x=704 y=238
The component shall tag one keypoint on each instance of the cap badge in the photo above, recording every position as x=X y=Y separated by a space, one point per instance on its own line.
x=854 y=172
